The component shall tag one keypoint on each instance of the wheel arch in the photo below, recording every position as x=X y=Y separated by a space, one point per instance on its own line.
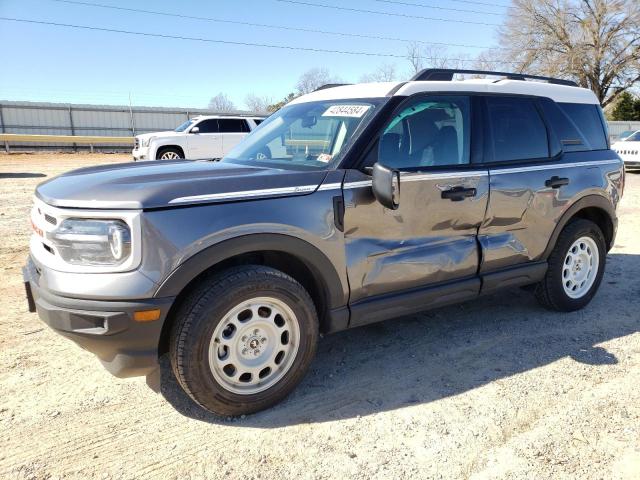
x=295 y=257
x=160 y=148
x=594 y=208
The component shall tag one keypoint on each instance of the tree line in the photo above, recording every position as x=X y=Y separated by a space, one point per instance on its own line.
x=596 y=43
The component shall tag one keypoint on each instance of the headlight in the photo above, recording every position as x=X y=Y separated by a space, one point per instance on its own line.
x=92 y=241
x=147 y=141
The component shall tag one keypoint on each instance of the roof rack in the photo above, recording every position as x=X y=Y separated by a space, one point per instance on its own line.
x=331 y=85
x=446 y=75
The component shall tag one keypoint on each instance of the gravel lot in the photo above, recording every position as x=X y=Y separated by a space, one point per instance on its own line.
x=496 y=388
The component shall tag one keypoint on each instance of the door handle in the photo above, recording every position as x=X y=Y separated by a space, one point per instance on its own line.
x=556 y=182
x=457 y=194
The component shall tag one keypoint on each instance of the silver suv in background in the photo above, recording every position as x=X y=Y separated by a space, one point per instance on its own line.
x=202 y=137
x=350 y=205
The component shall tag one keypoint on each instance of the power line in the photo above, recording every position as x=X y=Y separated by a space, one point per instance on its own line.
x=228 y=42
x=380 y=12
x=265 y=25
x=436 y=7
x=472 y=2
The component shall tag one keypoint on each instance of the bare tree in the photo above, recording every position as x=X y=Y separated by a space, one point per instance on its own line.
x=594 y=42
x=433 y=56
x=221 y=103
x=414 y=56
x=384 y=73
x=258 y=104
x=314 y=78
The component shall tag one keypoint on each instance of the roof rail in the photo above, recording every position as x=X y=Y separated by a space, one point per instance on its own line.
x=331 y=85
x=446 y=75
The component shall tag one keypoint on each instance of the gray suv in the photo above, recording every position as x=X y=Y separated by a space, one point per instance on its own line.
x=351 y=205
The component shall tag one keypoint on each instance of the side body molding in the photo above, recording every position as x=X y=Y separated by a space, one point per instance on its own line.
x=321 y=267
x=589 y=201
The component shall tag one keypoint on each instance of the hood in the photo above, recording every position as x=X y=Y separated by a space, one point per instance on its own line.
x=168 y=133
x=167 y=184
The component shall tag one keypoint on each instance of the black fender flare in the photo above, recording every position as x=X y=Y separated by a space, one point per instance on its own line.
x=590 y=201
x=317 y=262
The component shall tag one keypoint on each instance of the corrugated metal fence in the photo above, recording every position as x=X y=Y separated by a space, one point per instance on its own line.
x=94 y=120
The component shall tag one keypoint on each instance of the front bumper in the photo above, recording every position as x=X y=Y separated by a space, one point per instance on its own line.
x=141 y=154
x=125 y=347
x=632 y=165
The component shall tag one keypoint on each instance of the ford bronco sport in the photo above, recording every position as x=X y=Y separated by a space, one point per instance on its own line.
x=351 y=205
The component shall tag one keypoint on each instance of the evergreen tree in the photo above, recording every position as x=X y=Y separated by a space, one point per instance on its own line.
x=627 y=108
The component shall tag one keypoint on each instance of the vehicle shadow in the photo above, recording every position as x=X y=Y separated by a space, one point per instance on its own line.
x=21 y=175
x=444 y=352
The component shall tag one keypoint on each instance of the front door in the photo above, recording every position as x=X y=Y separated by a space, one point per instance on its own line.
x=207 y=143
x=429 y=244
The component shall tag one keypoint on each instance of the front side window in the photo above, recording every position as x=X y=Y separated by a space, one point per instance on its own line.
x=517 y=129
x=208 y=126
x=429 y=132
x=305 y=136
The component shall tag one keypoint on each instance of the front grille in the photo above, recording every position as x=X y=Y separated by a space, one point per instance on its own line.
x=136 y=143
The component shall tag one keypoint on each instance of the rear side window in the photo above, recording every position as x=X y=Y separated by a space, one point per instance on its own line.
x=588 y=120
x=517 y=129
x=233 y=125
x=258 y=121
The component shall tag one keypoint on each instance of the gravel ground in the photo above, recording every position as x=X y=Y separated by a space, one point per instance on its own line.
x=496 y=388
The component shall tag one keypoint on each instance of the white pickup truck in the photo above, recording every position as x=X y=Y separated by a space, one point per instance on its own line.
x=629 y=151
x=202 y=137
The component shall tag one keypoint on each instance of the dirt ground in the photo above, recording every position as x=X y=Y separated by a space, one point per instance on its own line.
x=497 y=388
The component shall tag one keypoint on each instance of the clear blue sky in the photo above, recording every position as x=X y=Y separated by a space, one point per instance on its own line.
x=49 y=63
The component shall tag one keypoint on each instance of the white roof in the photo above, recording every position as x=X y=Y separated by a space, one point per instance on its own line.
x=559 y=93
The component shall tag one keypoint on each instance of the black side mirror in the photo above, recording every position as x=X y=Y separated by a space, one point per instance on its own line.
x=195 y=130
x=386 y=186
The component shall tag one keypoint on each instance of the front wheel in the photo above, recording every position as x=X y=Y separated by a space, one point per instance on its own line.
x=244 y=339
x=169 y=153
x=576 y=267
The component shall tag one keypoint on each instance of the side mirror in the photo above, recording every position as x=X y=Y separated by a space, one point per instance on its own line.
x=195 y=130
x=386 y=186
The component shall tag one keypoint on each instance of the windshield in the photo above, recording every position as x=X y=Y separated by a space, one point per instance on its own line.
x=305 y=136
x=635 y=137
x=184 y=126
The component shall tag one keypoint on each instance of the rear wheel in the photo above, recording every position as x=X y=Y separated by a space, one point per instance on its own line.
x=244 y=339
x=169 y=153
x=576 y=267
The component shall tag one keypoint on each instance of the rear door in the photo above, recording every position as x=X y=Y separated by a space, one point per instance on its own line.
x=430 y=240
x=538 y=160
x=207 y=143
x=233 y=130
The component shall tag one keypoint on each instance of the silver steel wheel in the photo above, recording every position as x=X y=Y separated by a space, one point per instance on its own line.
x=169 y=156
x=254 y=345
x=580 y=267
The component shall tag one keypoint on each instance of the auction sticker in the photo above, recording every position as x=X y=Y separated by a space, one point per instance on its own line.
x=354 y=111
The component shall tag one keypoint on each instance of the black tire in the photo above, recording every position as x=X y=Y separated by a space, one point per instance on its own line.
x=550 y=292
x=201 y=312
x=169 y=150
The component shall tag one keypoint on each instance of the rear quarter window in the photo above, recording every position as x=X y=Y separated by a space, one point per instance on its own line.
x=587 y=120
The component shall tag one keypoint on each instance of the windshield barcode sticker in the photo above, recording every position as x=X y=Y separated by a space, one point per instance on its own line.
x=355 y=111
